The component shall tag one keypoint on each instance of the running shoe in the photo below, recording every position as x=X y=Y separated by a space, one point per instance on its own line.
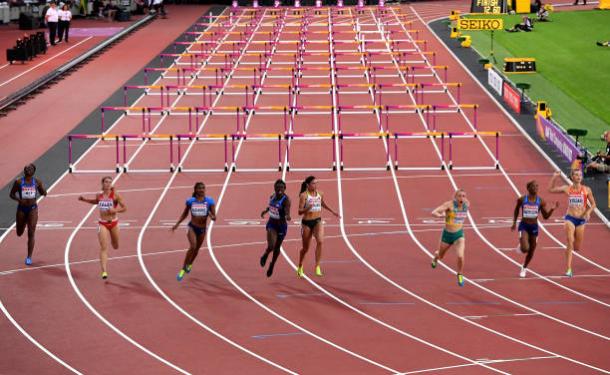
x=523 y=272
x=104 y=275
x=188 y=268
x=28 y=261
x=300 y=272
x=270 y=272
x=434 y=263
x=460 y=279
x=319 y=271
x=569 y=272
x=180 y=275
x=264 y=259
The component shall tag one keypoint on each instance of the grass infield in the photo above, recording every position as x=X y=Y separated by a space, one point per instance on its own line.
x=573 y=72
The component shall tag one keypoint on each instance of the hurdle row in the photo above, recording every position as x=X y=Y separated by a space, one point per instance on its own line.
x=207 y=92
x=196 y=114
x=284 y=141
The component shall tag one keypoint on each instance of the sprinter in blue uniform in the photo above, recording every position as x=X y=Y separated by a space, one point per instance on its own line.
x=277 y=225
x=200 y=207
x=530 y=205
x=25 y=191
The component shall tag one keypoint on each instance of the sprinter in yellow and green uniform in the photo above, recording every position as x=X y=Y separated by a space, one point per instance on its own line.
x=455 y=212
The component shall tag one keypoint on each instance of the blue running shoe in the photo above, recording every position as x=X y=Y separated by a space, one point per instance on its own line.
x=180 y=275
x=28 y=261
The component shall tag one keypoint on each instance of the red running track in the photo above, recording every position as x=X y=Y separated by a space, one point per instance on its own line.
x=379 y=307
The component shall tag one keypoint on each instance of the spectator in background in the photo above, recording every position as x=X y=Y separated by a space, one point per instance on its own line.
x=601 y=161
x=542 y=15
x=51 y=17
x=525 y=25
x=110 y=10
x=65 y=16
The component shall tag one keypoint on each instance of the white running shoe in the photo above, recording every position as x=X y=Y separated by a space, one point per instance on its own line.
x=523 y=272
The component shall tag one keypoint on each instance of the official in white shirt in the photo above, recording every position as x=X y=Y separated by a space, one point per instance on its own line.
x=51 y=18
x=65 y=16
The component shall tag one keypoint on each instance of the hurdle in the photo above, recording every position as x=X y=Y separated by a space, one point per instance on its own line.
x=146 y=121
x=257 y=137
x=292 y=137
x=445 y=88
x=453 y=135
x=363 y=136
x=452 y=108
x=180 y=77
x=148 y=137
x=147 y=89
x=184 y=90
x=402 y=109
x=102 y=137
x=197 y=138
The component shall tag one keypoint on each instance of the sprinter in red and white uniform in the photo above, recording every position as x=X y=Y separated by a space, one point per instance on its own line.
x=109 y=203
x=580 y=205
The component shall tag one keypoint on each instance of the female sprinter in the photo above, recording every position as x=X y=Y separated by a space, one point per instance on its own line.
x=109 y=203
x=201 y=207
x=24 y=191
x=277 y=225
x=578 y=211
x=311 y=202
x=454 y=212
x=530 y=205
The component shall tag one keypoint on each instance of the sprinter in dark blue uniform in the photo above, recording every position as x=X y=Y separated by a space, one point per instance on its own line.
x=25 y=191
x=530 y=205
x=277 y=225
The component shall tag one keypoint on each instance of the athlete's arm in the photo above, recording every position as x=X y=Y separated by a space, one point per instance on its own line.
x=516 y=213
x=591 y=205
x=303 y=208
x=121 y=207
x=212 y=213
x=287 y=205
x=182 y=217
x=328 y=208
x=15 y=190
x=547 y=213
x=41 y=189
x=86 y=200
x=552 y=183
x=441 y=211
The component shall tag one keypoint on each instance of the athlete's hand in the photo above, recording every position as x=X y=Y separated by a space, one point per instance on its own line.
x=557 y=174
x=513 y=227
x=263 y=214
x=173 y=229
x=288 y=218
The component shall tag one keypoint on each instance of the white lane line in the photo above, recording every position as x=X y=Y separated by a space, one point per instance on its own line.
x=487 y=361
x=44 y=62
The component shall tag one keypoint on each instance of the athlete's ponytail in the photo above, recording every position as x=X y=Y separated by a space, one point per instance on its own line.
x=306 y=182
x=198 y=184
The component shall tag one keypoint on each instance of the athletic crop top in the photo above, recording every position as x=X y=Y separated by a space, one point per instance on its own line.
x=315 y=202
x=200 y=208
x=530 y=209
x=28 y=191
x=276 y=208
x=105 y=203
x=577 y=198
x=457 y=216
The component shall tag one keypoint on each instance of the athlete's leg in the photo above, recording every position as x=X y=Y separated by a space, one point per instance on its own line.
x=32 y=221
x=103 y=236
x=570 y=234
